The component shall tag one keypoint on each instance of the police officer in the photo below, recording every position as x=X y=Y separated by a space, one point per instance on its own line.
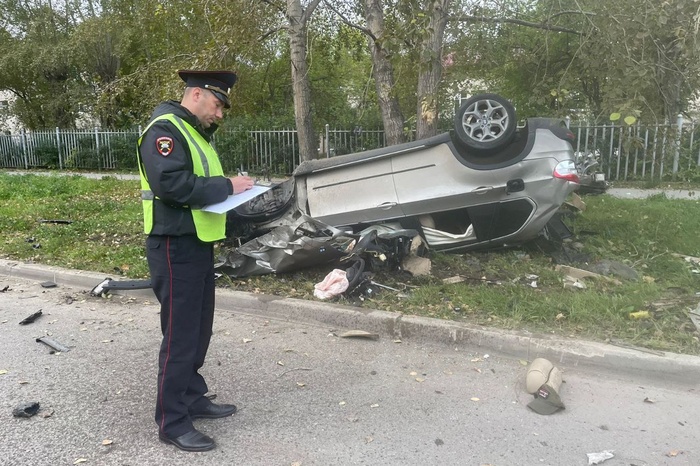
x=180 y=174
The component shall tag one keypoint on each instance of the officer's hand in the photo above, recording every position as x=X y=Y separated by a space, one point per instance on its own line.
x=241 y=183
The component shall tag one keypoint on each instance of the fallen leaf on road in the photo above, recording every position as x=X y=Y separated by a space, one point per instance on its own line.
x=673 y=453
x=523 y=362
x=359 y=334
x=247 y=340
x=46 y=413
x=107 y=442
x=280 y=363
x=107 y=341
x=3 y=371
x=23 y=382
x=369 y=440
x=476 y=360
x=649 y=400
x=397 y=341
x=80 y=461
x=301 y=384
x=419 y=379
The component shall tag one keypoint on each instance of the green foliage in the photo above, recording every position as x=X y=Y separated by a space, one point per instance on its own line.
x=47 y=154
x=634 y=57
x=84 y=154
x=38 y=64
x=638 y=58
x=123 y=151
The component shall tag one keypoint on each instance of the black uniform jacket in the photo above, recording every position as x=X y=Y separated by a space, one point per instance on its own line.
x=171 y=176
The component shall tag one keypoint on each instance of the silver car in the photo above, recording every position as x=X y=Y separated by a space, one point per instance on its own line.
x=487 y=184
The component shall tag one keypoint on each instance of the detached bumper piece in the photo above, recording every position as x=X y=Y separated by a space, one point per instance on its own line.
x=53 y=344
x=107 y=285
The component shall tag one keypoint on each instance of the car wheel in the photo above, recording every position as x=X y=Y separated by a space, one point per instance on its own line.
x=485 y=122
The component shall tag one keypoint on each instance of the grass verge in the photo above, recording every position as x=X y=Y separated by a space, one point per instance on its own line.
x=653 y=240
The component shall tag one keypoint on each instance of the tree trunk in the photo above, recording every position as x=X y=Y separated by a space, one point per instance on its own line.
x=383 y=73
x=431 y=70
x=300 y=77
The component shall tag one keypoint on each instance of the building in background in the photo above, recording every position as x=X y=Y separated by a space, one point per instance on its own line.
x=9 y=124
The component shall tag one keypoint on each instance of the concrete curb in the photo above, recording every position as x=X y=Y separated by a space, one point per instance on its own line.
x=566 y=353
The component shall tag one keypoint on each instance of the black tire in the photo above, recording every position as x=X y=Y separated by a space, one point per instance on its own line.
x=485 y=122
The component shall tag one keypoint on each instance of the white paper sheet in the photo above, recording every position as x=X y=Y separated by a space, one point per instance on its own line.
x=235 y=200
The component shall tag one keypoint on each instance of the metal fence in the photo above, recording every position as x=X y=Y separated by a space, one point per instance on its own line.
x=639 y=152
x=643 y=152
x=79 y=149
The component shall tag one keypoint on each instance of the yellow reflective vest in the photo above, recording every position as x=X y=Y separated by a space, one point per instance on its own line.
x=210 y=226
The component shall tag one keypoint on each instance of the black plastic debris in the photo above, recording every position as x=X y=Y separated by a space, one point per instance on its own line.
x=31 y=318
x=6 y=288
x=53 y=344
x=57 y=221
x=48 y=285
x=28 y=409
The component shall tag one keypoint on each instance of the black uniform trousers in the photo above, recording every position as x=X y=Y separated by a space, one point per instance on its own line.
x=182 y=275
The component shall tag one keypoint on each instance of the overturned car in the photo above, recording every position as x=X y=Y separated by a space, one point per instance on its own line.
x=487 y=184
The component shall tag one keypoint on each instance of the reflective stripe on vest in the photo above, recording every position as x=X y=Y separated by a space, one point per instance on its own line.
x=210 y=226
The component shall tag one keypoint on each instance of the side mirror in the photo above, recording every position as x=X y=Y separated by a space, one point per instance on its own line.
x=514 y=186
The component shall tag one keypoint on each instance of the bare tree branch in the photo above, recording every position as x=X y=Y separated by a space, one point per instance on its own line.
x=271 y=32
x=309 y=10
x=348 y=22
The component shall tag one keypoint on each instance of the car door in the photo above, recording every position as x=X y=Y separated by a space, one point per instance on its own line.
x=355 y=193
x=433 y=180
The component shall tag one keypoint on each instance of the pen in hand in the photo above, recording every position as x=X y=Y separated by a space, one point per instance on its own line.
x=241 y=183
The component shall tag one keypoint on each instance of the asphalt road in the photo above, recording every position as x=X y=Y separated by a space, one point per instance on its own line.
x=308 y=397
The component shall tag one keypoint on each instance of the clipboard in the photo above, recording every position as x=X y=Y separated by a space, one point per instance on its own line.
x=234 y=200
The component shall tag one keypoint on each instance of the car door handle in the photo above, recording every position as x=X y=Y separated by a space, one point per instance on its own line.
x=386 y=205
x=482 y=189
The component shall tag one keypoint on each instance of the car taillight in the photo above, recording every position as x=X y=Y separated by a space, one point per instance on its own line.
x=566 y=170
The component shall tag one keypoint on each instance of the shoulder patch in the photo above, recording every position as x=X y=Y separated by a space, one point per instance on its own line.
x=164 y=145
